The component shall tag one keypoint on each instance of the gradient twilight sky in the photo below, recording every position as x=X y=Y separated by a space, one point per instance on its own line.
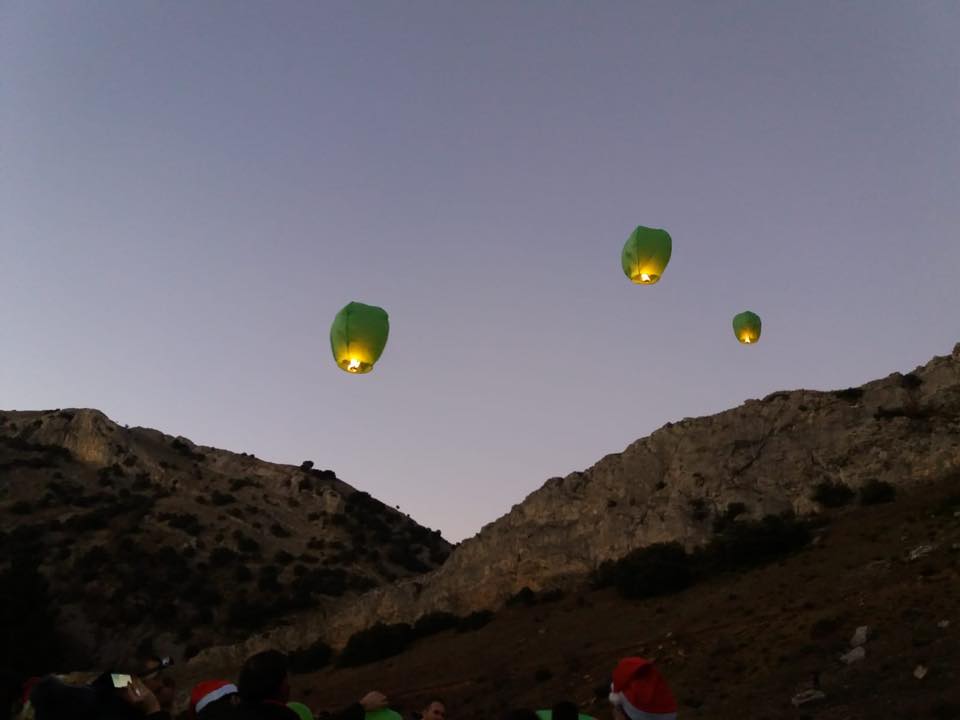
x=189 y=191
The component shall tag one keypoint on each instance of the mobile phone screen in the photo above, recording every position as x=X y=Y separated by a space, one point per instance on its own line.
x=120 y=681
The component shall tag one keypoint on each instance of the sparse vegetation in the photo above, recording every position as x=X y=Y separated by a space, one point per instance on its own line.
x=376 y=643
x=220 y=498
x=475 y=621
x=723 y=521
x=315 y=656
x=910 y=381
x=874 y=492
x=658 y=569
x=278 y=530
x=435 y=622
x=851 y=395
x=832 y=494
x=665 y=568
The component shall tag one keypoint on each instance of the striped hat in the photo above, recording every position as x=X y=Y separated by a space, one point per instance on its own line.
x=640 y=691
x=209 y=691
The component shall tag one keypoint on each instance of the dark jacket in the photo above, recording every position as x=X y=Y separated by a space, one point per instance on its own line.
x=265 y=711
x=351 y=712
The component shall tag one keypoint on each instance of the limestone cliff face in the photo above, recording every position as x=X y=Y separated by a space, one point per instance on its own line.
x=767 y=454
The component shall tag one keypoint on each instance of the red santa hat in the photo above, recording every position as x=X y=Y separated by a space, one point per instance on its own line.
x=640 y=691
x=209 y=691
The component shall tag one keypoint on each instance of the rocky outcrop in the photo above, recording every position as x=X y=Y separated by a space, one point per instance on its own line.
x=145 y=536
x=766 y=454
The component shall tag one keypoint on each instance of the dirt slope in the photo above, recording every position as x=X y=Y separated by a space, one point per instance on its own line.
x=739 y=646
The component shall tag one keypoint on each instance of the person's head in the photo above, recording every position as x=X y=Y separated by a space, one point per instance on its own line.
x=436 y=709
x=154 y=676
x=53 y=699
x=264 y=677
x=213 y=699
x=565 y=710
x=521 y=714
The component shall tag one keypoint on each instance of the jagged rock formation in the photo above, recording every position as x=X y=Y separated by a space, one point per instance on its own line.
x=142 y=535
x=766 y=454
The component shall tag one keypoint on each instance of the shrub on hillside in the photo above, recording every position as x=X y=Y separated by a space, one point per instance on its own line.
x=278 y=530
x=267 y=581
x=407 y=558
x=874 y=492
x=182 y=521
x=238 y=484
x=433 y=623
x=750 y=543
x=910 y=381
x=248 y=614
x=850 y=395
x=525 y=596
x=220 y=498
x=321 y=581
x=542 y=675
x=665 y=568
x=658 y=569
x=832 y=494
x=729 y=516
x=376 y=643
x=21 y=507
x=475 y=621
x=550 y=596
x=246 y=545
x=243 y=574
x=311 y=658
x=699 y=509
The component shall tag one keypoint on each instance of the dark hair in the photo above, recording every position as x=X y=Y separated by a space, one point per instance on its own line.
x=263 y=676
x=219 y=709
x=565 y=710
x=521 y=714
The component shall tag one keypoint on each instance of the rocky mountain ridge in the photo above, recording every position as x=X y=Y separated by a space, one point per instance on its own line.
x=146 y=538
x=767 y=455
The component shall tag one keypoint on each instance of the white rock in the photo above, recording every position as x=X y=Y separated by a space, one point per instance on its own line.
x=920 y=672
x=808 y=696
x=919 y=552
x=860 y=636
x=855 y=655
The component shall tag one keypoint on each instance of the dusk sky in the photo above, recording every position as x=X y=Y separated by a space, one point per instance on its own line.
x=189 y=192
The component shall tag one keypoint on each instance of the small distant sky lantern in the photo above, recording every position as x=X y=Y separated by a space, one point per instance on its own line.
x=358 y=336
x=646 y=254
x=746 y=326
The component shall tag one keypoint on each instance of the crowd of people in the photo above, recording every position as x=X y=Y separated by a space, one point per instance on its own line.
x=262 y=692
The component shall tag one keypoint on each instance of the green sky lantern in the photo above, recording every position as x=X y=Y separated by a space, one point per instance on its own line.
x=358 y=336
x=383 y=714
x=548 y=715
x=646 y=254
x=746 y=326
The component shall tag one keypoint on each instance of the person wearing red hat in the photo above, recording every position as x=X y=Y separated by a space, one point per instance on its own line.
x=214 y=699
x=639 y=692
